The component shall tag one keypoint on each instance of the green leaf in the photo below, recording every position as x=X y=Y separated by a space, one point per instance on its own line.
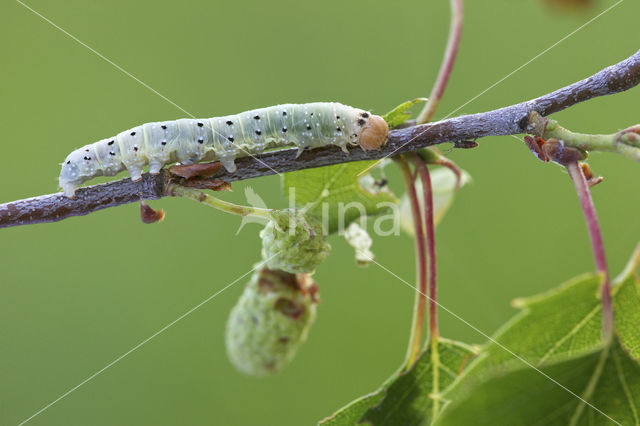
x=627 y=315
x=609 y=380
x=352 y=414
x=407 y=398
x=345 y=196
x=562 y=323
x=558 y=332
x=399 y=114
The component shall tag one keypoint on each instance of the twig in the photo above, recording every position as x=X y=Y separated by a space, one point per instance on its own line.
x=455 y=32
x=504 y=121
x=625 y=142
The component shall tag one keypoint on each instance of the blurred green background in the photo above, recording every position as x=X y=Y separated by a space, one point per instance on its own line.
x=76 y=295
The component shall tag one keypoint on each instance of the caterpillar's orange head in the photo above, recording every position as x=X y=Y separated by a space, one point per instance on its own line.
x=374 y=133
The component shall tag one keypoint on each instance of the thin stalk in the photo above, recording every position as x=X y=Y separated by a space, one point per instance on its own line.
x=455 y=32
x=597 y=245
x=211 y=201
x=445 y=162
x=435 y=372
x=423 y=171
x=419 y=307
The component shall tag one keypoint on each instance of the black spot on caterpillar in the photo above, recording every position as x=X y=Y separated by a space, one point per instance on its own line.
x=223 y=139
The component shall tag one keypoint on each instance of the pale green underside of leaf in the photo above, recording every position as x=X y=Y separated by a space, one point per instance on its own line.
x=406 y=398
x=336 y=187
x=559 y=333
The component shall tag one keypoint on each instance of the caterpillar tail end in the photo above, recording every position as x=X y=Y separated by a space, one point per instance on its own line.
x=374 y=134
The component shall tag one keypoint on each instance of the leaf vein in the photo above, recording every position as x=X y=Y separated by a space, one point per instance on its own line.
x=625 y=387
x=571 y=333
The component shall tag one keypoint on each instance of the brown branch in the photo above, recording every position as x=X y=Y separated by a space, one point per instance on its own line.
x=504 y=121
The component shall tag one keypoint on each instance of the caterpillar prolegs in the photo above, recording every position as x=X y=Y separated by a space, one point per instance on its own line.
x=223 y=139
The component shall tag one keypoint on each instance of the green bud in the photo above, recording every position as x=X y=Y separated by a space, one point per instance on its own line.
x=293 y=243
x=270 y=321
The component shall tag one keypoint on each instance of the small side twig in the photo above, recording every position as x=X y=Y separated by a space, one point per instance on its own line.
x=181 y=191
x=625 y=142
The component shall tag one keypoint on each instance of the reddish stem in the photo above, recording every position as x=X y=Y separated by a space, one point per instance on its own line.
x=445 y=162
x=423 y=172
x=421 y=265
x=455 y=32
x=591 y=218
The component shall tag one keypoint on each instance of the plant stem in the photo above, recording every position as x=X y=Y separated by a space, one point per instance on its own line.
x=591 y=218
x=419 y=306
x=429 y=227
x=455 y=32
x=423 y=172
x=435 y=374
x=211 y=201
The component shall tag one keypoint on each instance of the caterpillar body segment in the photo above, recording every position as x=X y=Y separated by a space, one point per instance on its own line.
x=223 y=139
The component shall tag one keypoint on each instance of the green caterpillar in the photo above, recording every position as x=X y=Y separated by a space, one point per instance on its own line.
x=270 y=321
x=223 y=139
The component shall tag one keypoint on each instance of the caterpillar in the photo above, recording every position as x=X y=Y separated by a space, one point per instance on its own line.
x=223 y=139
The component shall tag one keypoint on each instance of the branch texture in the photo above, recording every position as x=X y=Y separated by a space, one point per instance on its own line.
x=504 y=121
